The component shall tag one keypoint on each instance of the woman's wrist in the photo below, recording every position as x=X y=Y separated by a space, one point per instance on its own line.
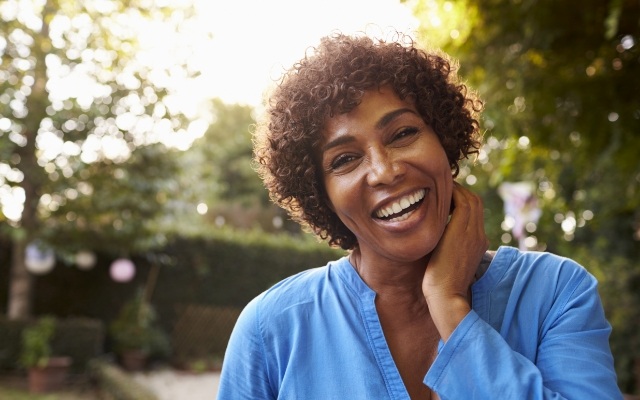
x=447 y=313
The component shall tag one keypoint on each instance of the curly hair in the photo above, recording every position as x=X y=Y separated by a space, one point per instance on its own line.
x=331 y=79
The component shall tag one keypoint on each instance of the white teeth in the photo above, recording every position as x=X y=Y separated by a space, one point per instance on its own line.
x=400 y=218
x=400 y=205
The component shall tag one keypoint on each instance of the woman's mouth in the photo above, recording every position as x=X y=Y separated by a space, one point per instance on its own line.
x=400 y=209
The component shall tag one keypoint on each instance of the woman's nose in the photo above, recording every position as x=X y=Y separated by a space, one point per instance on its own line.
x=384 y=169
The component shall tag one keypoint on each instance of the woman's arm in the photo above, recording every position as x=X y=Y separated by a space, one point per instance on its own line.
x=454 y=261
x=244 y=371
x=572 y=359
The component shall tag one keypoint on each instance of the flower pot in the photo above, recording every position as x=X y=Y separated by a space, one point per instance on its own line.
x=50 y=377
x=134 y=359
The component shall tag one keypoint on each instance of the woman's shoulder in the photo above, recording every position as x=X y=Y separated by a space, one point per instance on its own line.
x=512 y=264
x=532 y=284
x=302 y=287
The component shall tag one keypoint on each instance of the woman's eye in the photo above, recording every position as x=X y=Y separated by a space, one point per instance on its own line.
x=341 y=161
x=405 y=133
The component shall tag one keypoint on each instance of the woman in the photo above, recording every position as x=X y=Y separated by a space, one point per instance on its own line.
x=361 y=145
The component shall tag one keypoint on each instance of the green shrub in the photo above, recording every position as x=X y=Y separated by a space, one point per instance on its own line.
x=135 y=328
x=36 y=343
x=82 y=339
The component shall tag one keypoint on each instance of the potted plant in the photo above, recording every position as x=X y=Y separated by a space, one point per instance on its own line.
x=136 y=335
x=46 y=371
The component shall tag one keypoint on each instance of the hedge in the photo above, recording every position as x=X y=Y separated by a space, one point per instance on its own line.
x=218 y=274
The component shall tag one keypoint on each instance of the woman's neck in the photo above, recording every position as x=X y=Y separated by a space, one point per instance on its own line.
x=391 y=280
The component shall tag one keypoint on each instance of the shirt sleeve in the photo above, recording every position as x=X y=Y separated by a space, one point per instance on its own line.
x=573 y=358
x=244 y=371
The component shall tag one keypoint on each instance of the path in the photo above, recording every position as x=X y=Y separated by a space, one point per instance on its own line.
x=169 y=384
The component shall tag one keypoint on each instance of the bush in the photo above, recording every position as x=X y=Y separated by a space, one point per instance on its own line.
x=35 y=346
x=135 y=328
x=224 y=269
x=81 y=339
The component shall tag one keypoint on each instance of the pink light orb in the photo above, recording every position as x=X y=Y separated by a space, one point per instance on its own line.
x=122 y=270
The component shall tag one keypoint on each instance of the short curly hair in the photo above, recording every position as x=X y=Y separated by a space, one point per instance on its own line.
x=331 y=79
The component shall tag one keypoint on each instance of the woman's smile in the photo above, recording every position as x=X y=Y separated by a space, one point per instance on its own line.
x=401 y=209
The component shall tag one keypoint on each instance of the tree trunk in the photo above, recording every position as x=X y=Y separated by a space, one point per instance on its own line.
x=19 y=305
x=20 y=296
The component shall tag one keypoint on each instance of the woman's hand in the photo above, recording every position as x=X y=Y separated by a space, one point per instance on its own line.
x=454 y=261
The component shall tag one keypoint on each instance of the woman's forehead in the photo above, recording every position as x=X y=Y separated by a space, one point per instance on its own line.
x=376 y=107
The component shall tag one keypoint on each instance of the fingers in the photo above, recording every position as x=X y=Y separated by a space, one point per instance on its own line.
x=468 y=209
x=454 y=261
x=465 y=229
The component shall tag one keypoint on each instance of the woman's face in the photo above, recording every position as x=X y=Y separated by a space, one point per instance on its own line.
x=387 y=177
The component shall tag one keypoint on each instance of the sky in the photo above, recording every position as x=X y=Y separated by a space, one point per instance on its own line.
x=241 y=47
x=254 y=40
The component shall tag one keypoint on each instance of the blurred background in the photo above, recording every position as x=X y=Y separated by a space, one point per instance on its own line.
x=131 y=218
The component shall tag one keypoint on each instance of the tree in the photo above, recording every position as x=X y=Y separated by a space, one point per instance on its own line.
x=565 y=89
x=82 y=115
x=560 y=84
x=217 y=175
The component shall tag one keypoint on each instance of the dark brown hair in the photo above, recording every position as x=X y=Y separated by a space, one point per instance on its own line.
x=331 y=79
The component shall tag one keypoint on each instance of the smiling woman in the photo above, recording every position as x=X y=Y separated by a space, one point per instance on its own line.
x=361 y=143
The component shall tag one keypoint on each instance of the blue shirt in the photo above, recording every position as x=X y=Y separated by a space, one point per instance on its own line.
x=537 y=331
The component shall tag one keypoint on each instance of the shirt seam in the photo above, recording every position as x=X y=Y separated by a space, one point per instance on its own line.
x=510 y=257
x=570 y=296
x=263 y=348
x=562 y=309
x=372 y=346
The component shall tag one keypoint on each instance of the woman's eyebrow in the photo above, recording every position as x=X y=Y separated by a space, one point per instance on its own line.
x=337 y=142
x=390 y=116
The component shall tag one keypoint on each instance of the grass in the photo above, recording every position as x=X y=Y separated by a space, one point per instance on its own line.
x=14 y=387
x=21 y=394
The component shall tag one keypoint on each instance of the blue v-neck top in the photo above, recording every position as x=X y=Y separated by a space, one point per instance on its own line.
x=537 y=330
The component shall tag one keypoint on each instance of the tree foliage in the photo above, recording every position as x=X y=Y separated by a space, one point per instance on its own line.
x=83 y=113
x=217 y=174
x=567 y=90
x=226 y=153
